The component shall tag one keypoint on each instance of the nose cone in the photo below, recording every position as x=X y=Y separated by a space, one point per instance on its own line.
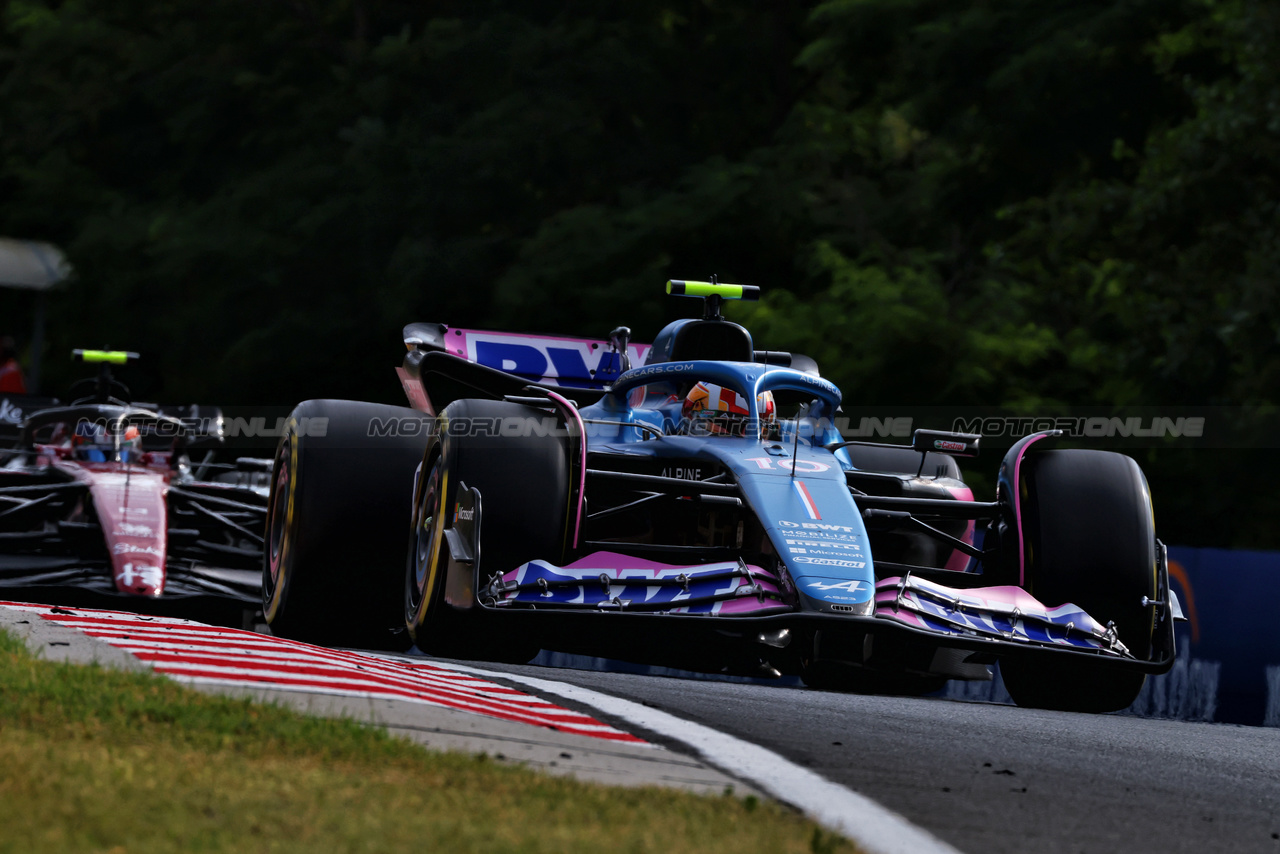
x=131 y=510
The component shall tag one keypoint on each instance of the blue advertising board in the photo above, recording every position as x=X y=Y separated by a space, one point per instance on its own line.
x=1232 y=602
x=1228 y=667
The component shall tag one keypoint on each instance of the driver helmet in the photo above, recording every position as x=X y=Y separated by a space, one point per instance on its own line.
x=713 y=410
x=130 y=444
x=92 y=443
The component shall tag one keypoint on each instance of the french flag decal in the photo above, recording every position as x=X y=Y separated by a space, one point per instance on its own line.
x=810 y=506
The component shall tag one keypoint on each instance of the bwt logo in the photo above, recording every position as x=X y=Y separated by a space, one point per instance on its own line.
x=816 y=526
x=568 y=362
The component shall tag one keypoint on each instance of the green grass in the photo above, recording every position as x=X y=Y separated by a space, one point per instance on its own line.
x=94 y=759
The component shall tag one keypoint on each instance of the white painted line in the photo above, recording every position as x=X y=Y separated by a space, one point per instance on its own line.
x=866 y=823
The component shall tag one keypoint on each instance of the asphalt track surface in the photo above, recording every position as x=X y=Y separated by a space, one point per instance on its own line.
x=993 y=778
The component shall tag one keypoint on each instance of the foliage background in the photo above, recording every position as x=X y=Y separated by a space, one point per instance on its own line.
x=1023 y=203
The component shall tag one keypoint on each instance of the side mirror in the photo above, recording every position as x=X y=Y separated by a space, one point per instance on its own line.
x=619 y=339
x=939 y=442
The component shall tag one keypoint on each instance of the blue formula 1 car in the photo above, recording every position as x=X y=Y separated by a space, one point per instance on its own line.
x=692 y=504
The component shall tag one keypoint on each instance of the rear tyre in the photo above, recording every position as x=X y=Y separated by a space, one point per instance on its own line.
x=1090 y=539
x=522 y=475
x=340 y=501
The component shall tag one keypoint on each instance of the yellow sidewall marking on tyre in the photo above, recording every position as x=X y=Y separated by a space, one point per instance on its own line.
x=442 y=491
x=442 y=510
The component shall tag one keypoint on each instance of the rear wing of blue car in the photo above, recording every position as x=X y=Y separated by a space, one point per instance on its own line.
x=444 y=363
x=586 y=363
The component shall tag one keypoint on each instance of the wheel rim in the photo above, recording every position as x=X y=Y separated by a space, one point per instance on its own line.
x=428 y=532
x=279 y=521
x=279 y=516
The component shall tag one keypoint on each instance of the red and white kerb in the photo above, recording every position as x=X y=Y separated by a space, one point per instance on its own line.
x=192 y=652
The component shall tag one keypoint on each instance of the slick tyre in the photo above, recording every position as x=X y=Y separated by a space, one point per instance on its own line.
x=523 y=480
x=1090 y=540
x=341 y=495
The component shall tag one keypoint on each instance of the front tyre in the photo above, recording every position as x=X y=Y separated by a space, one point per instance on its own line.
x=1089 y=535
x=521 y=471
